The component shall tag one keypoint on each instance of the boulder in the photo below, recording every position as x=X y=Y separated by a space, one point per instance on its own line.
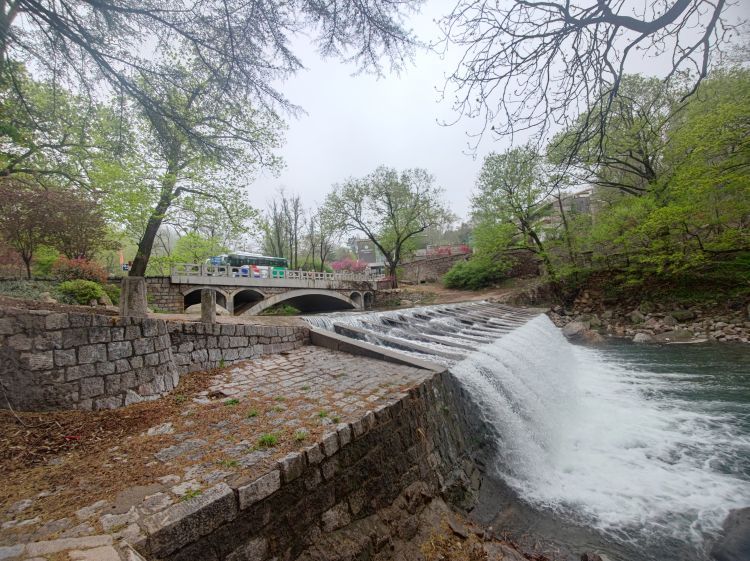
x=646 y=307
x=636 y=316
x=734 y=545
x=670 y=321
x=591 y=337
x=682 y=315
x=642 y=338
x=46 y=297
x=608 y=314
x=678 y=335
x=574 y=329
x=595 y=322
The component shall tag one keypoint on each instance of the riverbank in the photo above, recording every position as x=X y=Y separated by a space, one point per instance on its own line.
x=653 y=322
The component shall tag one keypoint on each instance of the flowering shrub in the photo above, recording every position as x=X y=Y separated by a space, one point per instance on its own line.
x=72 y=269
x=349 y=266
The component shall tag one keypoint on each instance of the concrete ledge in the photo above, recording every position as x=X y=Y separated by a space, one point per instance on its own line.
x=336 y=342
x=356 y=332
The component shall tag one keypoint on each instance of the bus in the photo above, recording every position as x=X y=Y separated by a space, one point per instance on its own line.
x=251 y=264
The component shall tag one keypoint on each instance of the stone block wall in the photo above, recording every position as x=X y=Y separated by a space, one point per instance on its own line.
x=51 y=360
x=67 y=360
x=422 y=438
x=200 y=346
x=163 y=295
x=430 y=270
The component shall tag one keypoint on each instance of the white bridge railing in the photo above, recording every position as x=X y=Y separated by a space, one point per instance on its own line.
x=203 y=270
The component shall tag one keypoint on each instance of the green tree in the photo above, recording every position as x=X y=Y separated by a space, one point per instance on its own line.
x=390 y=209
x=244 y=46
x=512 y=198
x=213 y=173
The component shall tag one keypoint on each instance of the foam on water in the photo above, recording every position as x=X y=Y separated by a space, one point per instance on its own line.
x=599 y=441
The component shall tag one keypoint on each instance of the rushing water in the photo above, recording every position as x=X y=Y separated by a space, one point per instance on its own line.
x=646 y=446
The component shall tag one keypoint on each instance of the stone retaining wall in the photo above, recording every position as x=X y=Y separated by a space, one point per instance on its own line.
x=357 y=470
x=51 y=360
x=67 y=360
x=200 y=346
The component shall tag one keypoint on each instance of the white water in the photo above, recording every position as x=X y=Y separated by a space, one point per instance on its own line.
x=598 y=442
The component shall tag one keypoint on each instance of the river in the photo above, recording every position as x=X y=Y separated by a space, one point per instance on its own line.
x=635 y=451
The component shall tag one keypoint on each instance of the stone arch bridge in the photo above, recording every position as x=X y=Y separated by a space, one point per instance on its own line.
x=307 y=291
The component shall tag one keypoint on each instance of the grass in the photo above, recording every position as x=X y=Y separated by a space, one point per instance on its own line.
x=305 y=388
x=231 y=402
x=252 y=413
x=190 y=494
x=279 y=398
x=228 y=463
x=268 y=440
x=33 y=290
x=336 y=419
x=180 y=398
x=322 y=414
x=280 y=310
x=300 y=435
x=278 y=408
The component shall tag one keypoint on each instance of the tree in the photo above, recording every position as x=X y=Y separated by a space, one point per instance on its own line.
x=79 y=229
x=25 y=216
x=533 y=64
x=242 y=45
x=512 y=198
x=283 y=227
x=322 y=235
x=49 y=136
x=238 y=139
x=629 y=156
x=390 y=208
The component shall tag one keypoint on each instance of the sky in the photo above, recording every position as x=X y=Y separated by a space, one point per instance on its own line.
x=353 y=124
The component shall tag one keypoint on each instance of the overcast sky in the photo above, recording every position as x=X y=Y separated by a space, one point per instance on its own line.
x=356 y=123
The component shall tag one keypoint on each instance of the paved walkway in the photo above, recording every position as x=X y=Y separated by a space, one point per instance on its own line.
x=242 y=423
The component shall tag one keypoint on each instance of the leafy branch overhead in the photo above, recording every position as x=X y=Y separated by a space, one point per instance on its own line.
x=529 y=65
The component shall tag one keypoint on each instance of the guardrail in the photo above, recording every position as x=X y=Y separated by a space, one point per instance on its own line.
x=203 y=270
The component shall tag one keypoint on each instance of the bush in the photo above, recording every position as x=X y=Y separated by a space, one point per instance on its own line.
x=113 y=291
x=82 y=291
x=475 y=273
x=65 y=269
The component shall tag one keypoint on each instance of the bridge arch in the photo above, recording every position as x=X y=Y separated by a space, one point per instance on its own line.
x=245 y=298
x=367 y=300
x=357 y=299
x=307 y=300
x=193 y=296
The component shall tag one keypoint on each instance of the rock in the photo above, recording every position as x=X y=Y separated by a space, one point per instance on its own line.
x=734 y=545
x=646 y=307
x=457 y=527
x=588 y=556
x=591 y=337
x=46 y=297
x=574 y=329
x=674 y=336
x=165 y=428
x=104 y=300
x=642 y=338
x=595 y=322
x=406 y=303
x=682 y=315
x=670 y=321
x=608 y=314
x=636 y=316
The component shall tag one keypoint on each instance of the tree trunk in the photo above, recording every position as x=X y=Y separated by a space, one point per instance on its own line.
x=543 y=253
x=27 y=262
x=152 y=228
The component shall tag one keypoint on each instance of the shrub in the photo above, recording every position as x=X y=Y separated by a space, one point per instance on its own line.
x=113 y=291
x=65 y=269
x=82 y=291
x=475 y=273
